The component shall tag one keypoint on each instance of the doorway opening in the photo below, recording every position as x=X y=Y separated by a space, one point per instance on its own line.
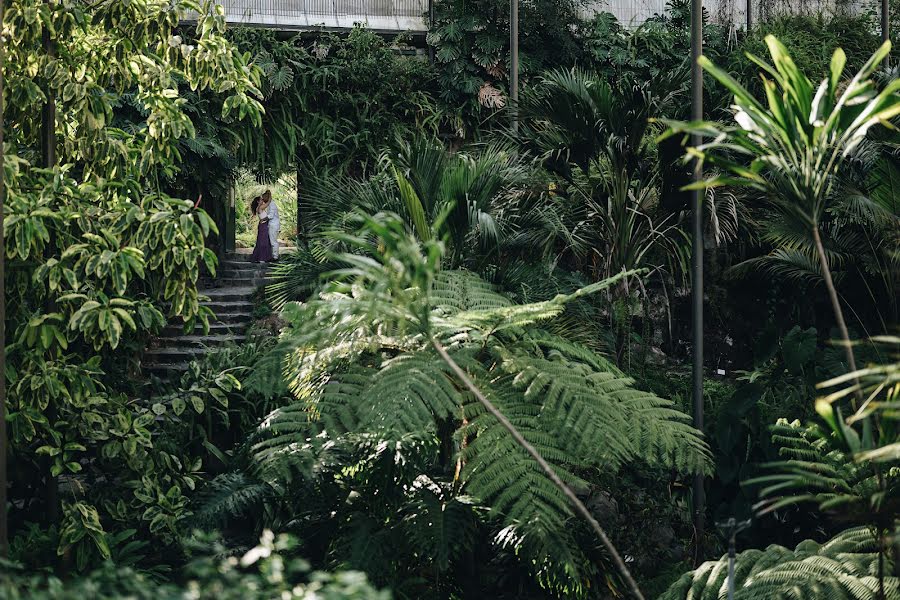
x=284 y=194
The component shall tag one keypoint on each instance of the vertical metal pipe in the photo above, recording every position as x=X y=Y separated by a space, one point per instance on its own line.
x=749 y=15
x=514 y=63
x=886 y=26
x=48 y=159
x=731 y=528
x=302 y=233
x=699 y=492
x=48 y=113
x=430 y=47
x=4 y=531
x=732 y=556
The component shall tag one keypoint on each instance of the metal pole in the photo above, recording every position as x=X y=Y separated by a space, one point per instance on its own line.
x=48 y=113
x=514 y=63
x=4 y=531
x=886 y=26
x=697 y=267
x=731 y=528
x=48 y=160
x=302 y=233
x=749 y=15
x=430 y=28
x=731 y=558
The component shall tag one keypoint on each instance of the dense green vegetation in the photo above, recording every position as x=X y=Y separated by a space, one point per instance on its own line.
x=471 y=379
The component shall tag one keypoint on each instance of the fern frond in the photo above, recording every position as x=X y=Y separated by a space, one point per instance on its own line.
x=817 y=470
x=842 y=569
x=453 y=292
x=371 y=390
x=438 y=524
x=230 y=496
x=595 y=408
x=407 y=394
x=499 y=318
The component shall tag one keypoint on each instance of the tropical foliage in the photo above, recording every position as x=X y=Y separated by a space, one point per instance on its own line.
x=99 y=257
x=471 y=49
x=360 y=361
x=795 y=146
x=471 y=378
x=261 y=573
x=330 y=102
x=844 y=567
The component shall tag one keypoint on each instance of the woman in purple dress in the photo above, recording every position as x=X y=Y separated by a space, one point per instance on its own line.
x=262 y=251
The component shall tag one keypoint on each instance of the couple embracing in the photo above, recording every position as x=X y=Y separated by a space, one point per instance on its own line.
x=265 y=209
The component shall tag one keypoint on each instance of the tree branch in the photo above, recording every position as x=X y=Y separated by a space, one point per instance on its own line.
x=836 y=306
x=579 y=506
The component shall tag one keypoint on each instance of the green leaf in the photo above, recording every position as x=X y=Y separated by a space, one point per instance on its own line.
x=413 y=206
x=178 y=406
x=836 y=69
x=198 y=404
x=799 y=349
x=48 y=451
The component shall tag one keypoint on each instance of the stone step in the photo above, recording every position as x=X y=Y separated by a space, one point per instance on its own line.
x=227 y=308
x=239 y=257
x=230 y=297
x=201 y=341
x=172 y=355
x=228 y=278
x=243 y=254
x=166 y=370
x=237 y=317
x=224 y=294
x=227 y=269
x=215 y=328
x=233 y=279
x=234 y=282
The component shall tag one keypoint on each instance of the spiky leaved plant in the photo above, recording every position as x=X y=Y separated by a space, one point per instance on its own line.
x=792 y=146
x=462 y=197
x=850 y=467
x=594 y=136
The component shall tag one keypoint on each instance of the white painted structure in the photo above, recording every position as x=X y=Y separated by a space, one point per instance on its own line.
x=295 y=15
x=397 y=16
x=634 y=13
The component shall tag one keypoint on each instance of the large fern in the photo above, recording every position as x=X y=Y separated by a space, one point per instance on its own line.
x=817 y=468
x=360 y=362
x=844 y=568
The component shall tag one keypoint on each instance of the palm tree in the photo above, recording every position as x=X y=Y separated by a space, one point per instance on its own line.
x=461 y=195
x=463 y=198
x=792 y=147
x=594 y=136
x=572 y=117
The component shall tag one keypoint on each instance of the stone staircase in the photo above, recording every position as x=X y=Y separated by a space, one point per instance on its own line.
x=230 y=298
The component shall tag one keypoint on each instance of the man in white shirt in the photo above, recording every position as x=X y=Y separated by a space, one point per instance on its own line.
x=274 y=223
